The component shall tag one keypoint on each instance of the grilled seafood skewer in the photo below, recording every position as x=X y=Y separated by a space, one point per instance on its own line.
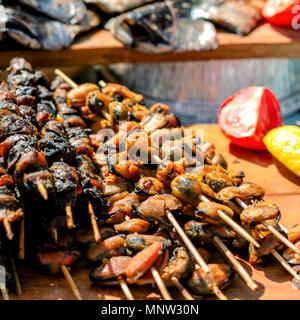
x=206 y=234
x=171 y=219
x=180 y=183
x=74 y=85
x=274 y=252
x=277 y=234
x=158 y=280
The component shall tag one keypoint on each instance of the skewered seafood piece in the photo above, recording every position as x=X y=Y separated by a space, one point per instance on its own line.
x=51 y=257
x=110 y=247
x=246 y=191
x=203 y=233
x=144 y=260
x=267 y=244
x=110 y=270
x=260 y=211
x=149 y=186
x=188 y=188
x=138 y=242
x=135 y=225
x=179 y=266
x=293 y=236
x=219 y=275
x=155 y=207
x=208 y=212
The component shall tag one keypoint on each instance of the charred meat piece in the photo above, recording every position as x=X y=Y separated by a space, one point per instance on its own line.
x=66 y=185
x=10 y=208
x=55 y=144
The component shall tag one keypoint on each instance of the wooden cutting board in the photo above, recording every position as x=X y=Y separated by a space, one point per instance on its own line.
x=282 y=187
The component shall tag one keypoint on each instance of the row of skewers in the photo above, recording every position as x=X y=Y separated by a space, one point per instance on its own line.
x=138 y=221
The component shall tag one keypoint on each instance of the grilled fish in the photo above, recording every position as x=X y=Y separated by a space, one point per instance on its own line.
x=66 y=11
x=237 y=17
x=38 y=32
x=118 y=6
x=163 y=27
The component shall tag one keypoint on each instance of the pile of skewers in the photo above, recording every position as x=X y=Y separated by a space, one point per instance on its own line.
x=126 y=188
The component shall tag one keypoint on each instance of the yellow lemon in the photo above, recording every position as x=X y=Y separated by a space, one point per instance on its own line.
x=284 y=144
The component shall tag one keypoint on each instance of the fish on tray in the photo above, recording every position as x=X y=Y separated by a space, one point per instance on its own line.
x=118 y=6
x=163 y=27
x=66 y=11
x=38 y=32
x=235 y=16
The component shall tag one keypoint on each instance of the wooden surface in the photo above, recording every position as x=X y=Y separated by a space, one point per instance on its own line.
x=282 y=187
x=99 y=47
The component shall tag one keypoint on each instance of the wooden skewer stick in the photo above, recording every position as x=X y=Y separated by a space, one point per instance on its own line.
x=199 y=259
x=42 y=190
x=277 y=234
x=4 y=293
x=280 y=237
x=125 y=289
x=65 y=77
x=235 y=226
x=218 y=293
x=22 y=240
x=160 y=284
x=274 y=252
x=70 y=221
x=54 y=234
x=7 y=227
x=94 y=222
x=285 y=265
x=182 y=289
x=70 y=281
x=15 y=274
x=235 y=263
